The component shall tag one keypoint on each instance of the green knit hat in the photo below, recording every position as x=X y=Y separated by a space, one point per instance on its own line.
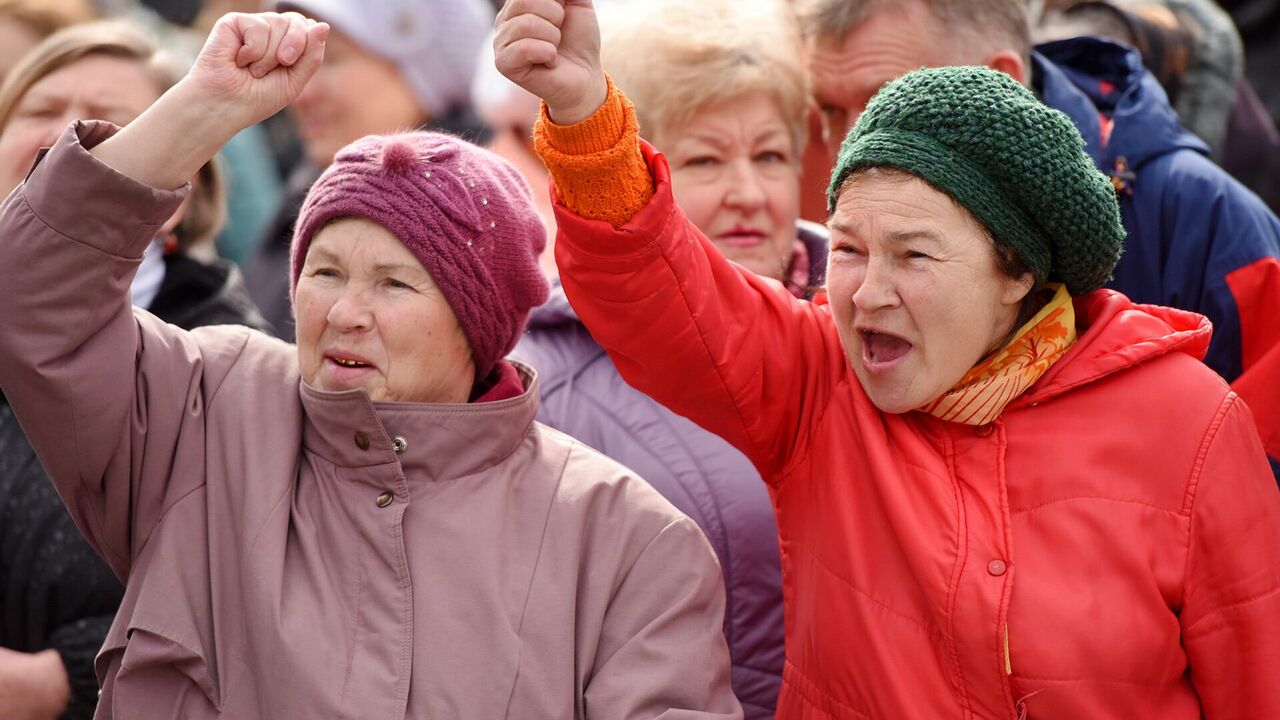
x=1016 y=164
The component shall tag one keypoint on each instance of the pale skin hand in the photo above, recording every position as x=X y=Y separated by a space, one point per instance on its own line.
x=33 y=686
x=250 y=68
x=552 y=49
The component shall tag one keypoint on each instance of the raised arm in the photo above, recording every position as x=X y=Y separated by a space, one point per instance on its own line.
x=737 y=354
x=102 y=394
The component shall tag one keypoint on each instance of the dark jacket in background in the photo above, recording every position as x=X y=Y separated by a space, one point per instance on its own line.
x=55 y=592
x=1197 y=239
x=706 y=478
x=1259 y=25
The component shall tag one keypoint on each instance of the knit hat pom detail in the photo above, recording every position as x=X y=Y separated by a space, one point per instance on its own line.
x=398 y=157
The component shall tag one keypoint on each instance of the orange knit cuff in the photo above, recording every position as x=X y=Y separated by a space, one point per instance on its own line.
x=596 y=164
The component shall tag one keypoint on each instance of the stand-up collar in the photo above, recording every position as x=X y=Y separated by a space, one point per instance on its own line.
x=431 y=442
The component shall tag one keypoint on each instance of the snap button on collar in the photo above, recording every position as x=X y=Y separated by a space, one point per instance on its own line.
x=997 y=567
x=399 y=444
x=385 y=499
x=362 y=440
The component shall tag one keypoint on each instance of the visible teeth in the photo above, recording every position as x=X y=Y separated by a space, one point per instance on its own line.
x=348 y=363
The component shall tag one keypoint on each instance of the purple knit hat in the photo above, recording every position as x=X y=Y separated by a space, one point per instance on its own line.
x=464 y=212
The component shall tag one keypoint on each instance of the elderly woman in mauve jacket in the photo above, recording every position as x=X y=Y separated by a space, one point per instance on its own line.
x=1001 y=492
x=718 y=85
x=370 y=524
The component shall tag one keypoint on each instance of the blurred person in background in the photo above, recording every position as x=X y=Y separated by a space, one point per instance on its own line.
x=1259 y=24
x=57 y=598
x=252 y=180
x=718 y=85
x=24 y=23
x=1196 y=238
x=390 y=66
x=1194 y=51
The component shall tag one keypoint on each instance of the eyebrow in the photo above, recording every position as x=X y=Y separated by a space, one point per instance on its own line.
x=897 y=237
x=391 y=267
x=903 y=236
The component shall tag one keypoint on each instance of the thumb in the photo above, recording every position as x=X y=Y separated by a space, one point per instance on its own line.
x=312 y=54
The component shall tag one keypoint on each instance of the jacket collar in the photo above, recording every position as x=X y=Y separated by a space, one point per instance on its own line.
x=1117 y=334
x=1088 y=77
x=441 y=441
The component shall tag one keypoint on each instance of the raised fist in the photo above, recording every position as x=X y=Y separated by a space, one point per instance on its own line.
x=552 y=49
x=252 y=66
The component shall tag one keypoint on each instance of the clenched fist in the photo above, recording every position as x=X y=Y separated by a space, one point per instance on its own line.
x=252 y=66
x=552 y=49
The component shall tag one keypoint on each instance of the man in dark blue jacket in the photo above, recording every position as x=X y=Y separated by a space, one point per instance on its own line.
x=1197 y=239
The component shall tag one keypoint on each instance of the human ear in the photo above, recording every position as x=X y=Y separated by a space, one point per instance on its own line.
x=1009 y=63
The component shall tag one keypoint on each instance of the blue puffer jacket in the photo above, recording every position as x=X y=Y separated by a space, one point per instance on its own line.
x=1198 y=239
x=702 y=475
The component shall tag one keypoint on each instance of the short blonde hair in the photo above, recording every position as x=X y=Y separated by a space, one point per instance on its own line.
x=674 y=57
x=120 y=39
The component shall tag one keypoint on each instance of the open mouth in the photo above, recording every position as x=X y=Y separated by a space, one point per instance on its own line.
x=881 y=350
x=347 y=362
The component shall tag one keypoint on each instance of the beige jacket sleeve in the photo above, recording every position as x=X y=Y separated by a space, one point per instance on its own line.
x=105 y=396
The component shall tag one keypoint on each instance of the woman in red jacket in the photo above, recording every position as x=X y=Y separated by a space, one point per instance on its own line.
x=1001 y=492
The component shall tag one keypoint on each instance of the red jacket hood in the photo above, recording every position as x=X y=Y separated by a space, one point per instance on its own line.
x=1117 y=333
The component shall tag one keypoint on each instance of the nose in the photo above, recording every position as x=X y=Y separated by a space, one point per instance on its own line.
x=311 y=92
x=351 y=311
x=878 y=289
x=745 y=191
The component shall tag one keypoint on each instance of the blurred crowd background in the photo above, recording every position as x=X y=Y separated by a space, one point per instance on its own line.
x=402 y=64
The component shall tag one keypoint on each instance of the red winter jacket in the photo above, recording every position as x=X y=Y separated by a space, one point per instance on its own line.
x=1108 y=548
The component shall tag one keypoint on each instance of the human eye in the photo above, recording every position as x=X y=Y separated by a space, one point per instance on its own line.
x=771 y=156
x=396 y=284
x=38 y=112
x=702 y=161
x=324 y=271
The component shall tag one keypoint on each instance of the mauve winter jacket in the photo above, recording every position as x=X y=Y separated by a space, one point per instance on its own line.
x=702 y=475
x=294 y=553
x=1108 y=547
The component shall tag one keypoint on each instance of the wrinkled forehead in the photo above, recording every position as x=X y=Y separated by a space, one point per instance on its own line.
x=360 y=244
x=893 y=205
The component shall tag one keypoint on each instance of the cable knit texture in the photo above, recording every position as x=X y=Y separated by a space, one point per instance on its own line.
x=596 y=165
x=1015 y=163
x=465 y=213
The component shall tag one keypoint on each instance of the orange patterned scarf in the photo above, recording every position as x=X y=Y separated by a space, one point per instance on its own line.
x=982 y=394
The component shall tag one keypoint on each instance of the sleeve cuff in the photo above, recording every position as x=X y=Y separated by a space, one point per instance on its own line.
x=79 y=196
x=597 y=166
